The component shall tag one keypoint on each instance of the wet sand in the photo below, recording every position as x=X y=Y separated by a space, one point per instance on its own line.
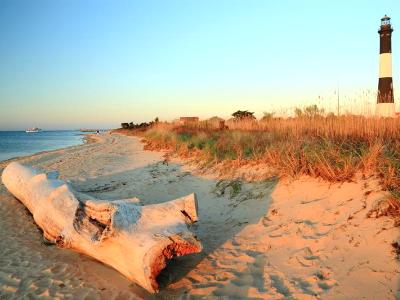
x=303 y=239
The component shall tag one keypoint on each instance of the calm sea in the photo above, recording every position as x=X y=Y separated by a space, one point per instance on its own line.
x=20 y=143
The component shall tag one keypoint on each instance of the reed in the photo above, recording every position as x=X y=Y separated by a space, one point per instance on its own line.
x=330 y=147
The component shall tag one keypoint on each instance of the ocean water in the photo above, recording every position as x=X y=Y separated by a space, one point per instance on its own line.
x=20 y=143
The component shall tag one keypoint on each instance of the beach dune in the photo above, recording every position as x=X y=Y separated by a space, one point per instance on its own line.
x=299 y=239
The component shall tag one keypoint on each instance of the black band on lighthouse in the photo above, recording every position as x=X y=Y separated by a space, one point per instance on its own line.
x=385 y=90
x=386 y=39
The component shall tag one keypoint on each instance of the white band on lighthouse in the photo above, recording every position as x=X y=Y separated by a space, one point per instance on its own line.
x=385 y=65
x=386 y=110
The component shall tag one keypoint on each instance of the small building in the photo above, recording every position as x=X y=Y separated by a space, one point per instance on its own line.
x=188 y=120
x=216 y=122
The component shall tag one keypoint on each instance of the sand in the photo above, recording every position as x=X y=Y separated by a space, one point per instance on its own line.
x=302 y=239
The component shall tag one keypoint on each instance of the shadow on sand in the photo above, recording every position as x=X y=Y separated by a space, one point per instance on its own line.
x=225 y=208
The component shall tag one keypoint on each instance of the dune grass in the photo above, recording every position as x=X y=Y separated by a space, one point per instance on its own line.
x=332 y=148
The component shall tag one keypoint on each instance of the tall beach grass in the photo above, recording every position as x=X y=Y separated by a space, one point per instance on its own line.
x=330 y=147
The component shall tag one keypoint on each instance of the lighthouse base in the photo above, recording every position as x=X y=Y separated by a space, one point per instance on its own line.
x=385 y=110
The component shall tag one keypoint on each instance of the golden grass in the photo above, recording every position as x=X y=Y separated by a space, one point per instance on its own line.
x=332 y=148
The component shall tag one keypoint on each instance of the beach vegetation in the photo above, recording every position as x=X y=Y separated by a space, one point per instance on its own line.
x=310 y=143
x=267 y=116
x=234 y=187
x=243 y=115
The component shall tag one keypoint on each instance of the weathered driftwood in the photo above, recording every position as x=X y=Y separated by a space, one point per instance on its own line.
x=136 y=240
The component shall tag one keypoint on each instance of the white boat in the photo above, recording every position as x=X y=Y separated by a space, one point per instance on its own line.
x=34 y=129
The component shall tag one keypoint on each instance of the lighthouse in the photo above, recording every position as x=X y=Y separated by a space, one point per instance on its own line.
x=385 y=101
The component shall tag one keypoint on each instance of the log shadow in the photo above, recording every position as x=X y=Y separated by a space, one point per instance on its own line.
x=225 y=207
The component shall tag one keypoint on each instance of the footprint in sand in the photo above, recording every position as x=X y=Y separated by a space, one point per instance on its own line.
x=305 y=258
x=280 y=283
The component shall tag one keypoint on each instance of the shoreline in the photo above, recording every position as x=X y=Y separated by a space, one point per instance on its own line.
x=87 y=139
x=303 y=239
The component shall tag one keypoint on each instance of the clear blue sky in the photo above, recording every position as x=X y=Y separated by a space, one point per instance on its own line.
x=71 y=64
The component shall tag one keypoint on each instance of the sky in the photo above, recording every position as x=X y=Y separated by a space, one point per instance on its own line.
x=68 y=64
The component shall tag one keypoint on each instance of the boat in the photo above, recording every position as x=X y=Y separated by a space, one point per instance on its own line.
x=34 y=129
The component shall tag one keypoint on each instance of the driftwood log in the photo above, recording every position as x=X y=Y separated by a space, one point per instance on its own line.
x=136 y=240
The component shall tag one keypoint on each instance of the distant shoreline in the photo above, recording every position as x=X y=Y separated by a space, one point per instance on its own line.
x=87 y=139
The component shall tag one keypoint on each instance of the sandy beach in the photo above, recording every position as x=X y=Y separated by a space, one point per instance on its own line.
x=287 y=239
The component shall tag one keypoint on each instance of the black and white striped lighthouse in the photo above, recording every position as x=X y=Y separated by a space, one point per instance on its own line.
x=385 y=103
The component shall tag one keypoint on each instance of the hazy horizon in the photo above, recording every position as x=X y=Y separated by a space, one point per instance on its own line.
x=74 y=64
